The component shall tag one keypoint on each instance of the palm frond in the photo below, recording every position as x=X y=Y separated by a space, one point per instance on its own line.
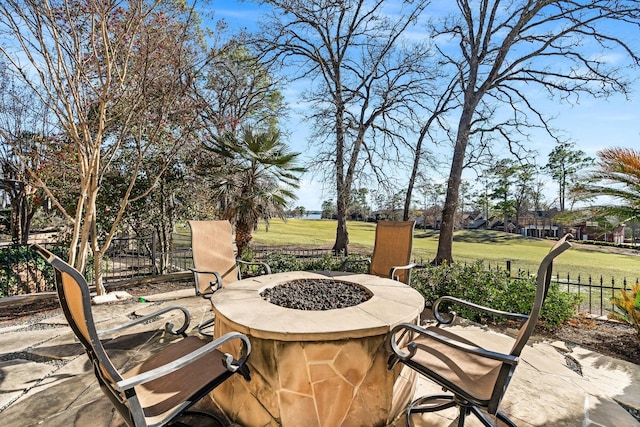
x=618 y=178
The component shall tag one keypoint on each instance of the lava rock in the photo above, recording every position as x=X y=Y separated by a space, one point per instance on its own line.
x=316 y=294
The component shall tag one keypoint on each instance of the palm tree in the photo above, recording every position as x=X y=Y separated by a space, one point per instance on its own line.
x=257 y=180
x=617 y=177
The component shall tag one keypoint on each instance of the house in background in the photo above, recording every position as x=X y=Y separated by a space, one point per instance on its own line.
x=616 y=236
x=533 y=224
x=542 y=224
x=539 y=224
x=591 y=230
x=473 y=221
x=499 y=225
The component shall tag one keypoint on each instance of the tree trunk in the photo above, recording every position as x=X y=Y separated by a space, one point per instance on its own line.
x=98 y=255
x=562 y=192
x=442 y=103
x=17 y=208
x=342 y=234
x=244 y=235
x=412 y=178
x=22 y=212
x=343 y=184
x=166 y=221
x=445 y=241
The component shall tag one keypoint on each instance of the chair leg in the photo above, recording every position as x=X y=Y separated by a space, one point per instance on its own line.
x=487 y=422
x=502 y=417
x=425 y=404
x=464 y=411
x=430 y=404
x=204 y=325
x=219 y=421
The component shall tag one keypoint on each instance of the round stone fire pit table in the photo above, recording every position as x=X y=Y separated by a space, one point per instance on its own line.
x=316 y=367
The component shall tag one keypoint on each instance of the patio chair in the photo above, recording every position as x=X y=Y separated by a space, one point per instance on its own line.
x=161 y=389
x=391 y=251
x=477 y=378
x=214 y=262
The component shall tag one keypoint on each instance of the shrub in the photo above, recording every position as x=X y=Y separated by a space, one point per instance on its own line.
x=280 y=263
x=626 y=307
x=495 y=289
x=326 y=263
x=23 y=272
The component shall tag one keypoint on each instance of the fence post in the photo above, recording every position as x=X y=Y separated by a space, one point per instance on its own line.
x=154 y=260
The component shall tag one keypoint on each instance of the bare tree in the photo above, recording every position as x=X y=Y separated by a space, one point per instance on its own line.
x=432 y=193
x=237 y=90
x=114 y=74
x=359 y=78
x=505 y=48
x=24 y=120
x=444 y=102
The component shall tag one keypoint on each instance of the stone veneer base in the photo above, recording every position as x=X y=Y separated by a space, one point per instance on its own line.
x=316 y=368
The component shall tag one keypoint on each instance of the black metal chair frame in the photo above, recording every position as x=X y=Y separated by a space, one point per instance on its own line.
x=120 y=390
x=404 y=338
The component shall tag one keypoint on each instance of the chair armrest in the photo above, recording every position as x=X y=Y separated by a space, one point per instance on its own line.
x=392 y=273
x=264 y=265
x=442 y=320
x=168 y=368
x=413 y=347
x=213 y=285
x=168 y=326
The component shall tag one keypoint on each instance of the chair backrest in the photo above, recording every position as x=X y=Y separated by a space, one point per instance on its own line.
x=75 y=300
x=393 y=246
x=543 y=281
x=212 y=245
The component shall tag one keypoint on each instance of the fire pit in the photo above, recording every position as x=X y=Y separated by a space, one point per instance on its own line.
x=316 y=363
x=316 y=294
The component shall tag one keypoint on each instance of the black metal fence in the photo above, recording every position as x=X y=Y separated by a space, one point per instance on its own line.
x=595 y=292
x=303 y=253
x=21 y=271
x=596 y=297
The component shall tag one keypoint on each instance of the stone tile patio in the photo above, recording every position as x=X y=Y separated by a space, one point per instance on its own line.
x=46 y=380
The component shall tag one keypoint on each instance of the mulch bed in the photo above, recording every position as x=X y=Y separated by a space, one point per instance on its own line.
x=611 y=338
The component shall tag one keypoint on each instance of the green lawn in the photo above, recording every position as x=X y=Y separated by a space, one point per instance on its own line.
x=469 y=245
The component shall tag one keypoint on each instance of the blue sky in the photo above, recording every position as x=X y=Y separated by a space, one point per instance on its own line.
x=593 y=124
